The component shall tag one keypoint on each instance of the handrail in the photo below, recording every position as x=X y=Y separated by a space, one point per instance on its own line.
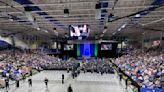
x=134 y=83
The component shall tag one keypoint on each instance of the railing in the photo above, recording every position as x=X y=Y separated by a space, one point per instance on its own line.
x=126 y=77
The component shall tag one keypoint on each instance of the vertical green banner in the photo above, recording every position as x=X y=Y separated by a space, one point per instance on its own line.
x=78 y=50
x=96 y=50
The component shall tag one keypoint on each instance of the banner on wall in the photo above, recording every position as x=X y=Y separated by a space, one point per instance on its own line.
x=151 y=90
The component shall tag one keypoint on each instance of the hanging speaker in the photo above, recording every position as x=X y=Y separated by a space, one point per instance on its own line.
x=27 y=8
x=54 y=28
x=98 y=6
x=105 y=27
x=66 y=11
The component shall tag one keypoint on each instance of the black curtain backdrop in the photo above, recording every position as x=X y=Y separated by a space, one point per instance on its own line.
x=107 y=53
x=101 y=53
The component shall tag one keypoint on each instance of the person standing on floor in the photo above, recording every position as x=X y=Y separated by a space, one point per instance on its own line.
x=126 y=82
x=69 y=88
x=24 y=77
x=30 y=82
x=17 y=83
x=120 y=76
x=7 y=83
x=30 y=72
x=62 y=78
x=46 y=82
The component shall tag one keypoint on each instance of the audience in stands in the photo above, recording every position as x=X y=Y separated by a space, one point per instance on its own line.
x=146 y=68
x=16 y=64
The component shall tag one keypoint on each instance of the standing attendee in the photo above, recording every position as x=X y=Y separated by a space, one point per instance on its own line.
x=126 y=82
x=24 y=77
x=62 y=78
x=30 y=72
x=46 y=82
x=120 y=76
x=67 y=70
x=69 y=88
x=17 y=83
x=73 y=74
x=7 y=83
x=30 y=82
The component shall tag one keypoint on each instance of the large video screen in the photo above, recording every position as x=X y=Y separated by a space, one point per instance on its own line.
x=68 y=47
x=79 y=31
x=106 y=46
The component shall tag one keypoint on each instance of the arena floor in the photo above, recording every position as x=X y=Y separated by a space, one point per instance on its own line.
x=83 y=83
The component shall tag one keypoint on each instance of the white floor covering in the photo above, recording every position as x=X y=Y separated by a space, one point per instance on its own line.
x=83 y=83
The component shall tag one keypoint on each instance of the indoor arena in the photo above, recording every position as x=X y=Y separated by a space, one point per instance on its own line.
x=81 y=45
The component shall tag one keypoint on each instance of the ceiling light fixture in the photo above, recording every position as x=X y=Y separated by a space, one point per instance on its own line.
x=11 y=19
x=137 y=15
x=114 y=33
x=101 y=35
x=123 y=26
x=45 y=30
x=104 y=31
x=38 y=28
x=119 y=29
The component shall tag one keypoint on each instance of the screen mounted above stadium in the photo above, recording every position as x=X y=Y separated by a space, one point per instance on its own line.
x=79 y=31
x=106 y=46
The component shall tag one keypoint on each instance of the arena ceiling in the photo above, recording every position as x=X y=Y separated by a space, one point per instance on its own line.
x=46 y=17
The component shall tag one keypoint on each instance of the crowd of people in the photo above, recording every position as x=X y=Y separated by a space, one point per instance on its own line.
x=98 y=66
x=146 y=68
x=15 y=64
